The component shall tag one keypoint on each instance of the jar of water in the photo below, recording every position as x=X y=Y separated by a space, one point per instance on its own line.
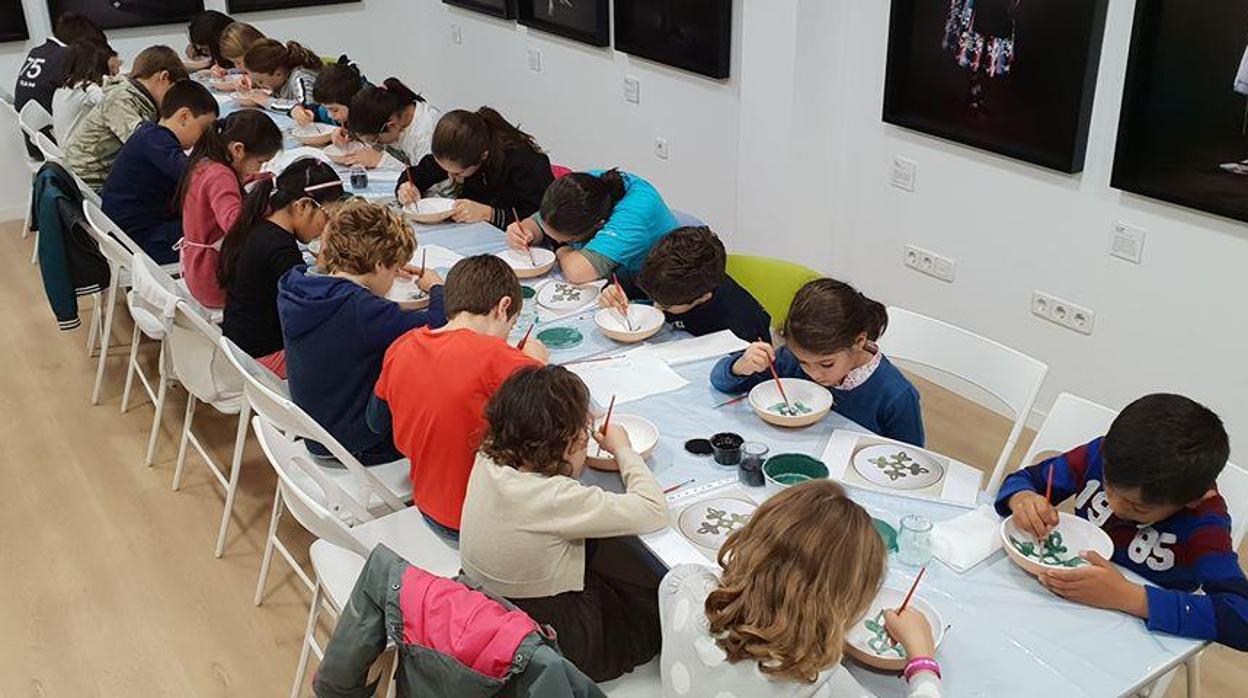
x=359 y=178
x=914 y=541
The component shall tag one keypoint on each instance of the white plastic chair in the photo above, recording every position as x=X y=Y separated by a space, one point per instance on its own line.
x=120 y=256
x=51 y=151
x=1008 y=375
x=337 y=570
x=353 y=493
x=152 y=299
x=642 y=682
x=1072 y=422
x=195 y=358
x=32 y=119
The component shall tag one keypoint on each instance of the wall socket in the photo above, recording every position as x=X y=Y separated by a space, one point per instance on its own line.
x=457 y=34
x=1062 y=312
x=632 y=90
x=903 y=174
x=930 y=263
x=535 y=60
x=1127 y=242
x=662 y=150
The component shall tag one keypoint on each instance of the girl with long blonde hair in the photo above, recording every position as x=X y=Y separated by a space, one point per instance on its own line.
x=774 y=621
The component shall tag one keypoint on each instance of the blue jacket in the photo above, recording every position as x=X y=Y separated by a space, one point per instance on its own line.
x=70 y=262
x=1187 y=552
x=336 y=334
x=887 y=403
x=139 y=192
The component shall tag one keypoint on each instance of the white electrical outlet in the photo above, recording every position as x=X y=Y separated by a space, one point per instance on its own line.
x=535 y=60
x=1072 y=316
x=930 y=263
x=632 y=90
x=457 y=34
x=1127 y=242
x=904 y=171
x=661 y=149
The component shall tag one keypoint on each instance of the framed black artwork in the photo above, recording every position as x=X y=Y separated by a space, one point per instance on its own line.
x=12 y=21
x=587 y=21
x=1015 y=77
x=694 y=35
x=116 y=14
x=1183 y=132
x=257 y=5
x=499 y=8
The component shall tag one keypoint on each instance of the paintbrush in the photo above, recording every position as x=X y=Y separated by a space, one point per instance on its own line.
x=673 y=488
x=525 y=339
x=733 y=401
x=1048 y=489
x=615 y=279
x=424 y=259
x=526 y=247
x=905 y=602
x=779 y=384
x=607 y=420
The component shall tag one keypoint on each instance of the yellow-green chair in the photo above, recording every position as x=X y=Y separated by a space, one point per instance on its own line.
x=772 y=281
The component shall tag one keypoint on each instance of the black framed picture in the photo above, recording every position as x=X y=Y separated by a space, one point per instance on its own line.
x=1015 y=77
x=695 y=35
x=1183 y=132
x=587 y=21
x=498 y=8
x=12 y=21
x=257 y=5
x=117 y=14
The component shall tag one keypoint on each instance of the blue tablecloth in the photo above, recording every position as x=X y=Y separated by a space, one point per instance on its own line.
x=1009 y=636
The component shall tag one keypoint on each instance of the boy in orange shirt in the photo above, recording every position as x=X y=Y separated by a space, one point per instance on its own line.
x=434 y=385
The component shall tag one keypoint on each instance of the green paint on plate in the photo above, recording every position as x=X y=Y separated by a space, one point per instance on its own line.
x=527 y=292
x=557 y=338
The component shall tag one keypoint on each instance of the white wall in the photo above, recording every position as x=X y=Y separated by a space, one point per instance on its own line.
x=790 y=158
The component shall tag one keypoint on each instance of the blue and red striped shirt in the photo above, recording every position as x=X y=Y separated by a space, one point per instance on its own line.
x=1188 y=552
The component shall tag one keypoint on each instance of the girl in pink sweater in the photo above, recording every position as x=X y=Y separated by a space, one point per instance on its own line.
x=211 y=193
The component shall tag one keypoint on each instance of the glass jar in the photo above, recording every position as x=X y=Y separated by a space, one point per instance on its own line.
x=750 y=470
x=359 y=178
x=914 y=541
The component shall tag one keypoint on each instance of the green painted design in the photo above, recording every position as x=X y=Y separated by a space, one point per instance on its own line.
x=565 y=293
x=556 y=338
x=898 y=466
x=879 y=642
x=719 y=522
x=527 y=292
x=1051 y=552
x=798 y=409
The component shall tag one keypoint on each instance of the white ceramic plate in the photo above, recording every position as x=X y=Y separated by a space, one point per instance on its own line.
x=338 y=151
x=869 y=645
x=708 y=523
x=520 y=263
x=561 y=295
x=1061 y=551
x=646 y=322
x=897 y=467
x=811 y=400
x=642 y=434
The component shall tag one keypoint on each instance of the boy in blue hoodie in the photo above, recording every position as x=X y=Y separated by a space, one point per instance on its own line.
x=1151 y=484
x=337 y=323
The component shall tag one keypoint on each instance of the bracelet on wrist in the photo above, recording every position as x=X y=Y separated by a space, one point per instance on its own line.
x=920 y=664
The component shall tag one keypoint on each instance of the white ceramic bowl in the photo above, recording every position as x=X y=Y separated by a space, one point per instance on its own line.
x=315 y=135
x=407 y=293
x=859 y=636
x=647 y=321
x=1076 y=534
x=339 y=153
x=642 y=434
x=250 y=99
x=519 y=262
x=814 y=398
x=429 y=211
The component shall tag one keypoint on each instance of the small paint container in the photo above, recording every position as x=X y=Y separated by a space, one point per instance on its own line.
x=750 y=471
x=727 y=448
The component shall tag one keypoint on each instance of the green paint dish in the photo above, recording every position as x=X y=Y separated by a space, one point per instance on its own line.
x=887 y=533
x=556 y=338
x=528 y=292
x=788 y=469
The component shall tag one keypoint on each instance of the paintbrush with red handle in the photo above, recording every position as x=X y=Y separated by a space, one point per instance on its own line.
x=525 y=339
x=906 y=602
x=607 y=420
x=526 y=248
x=1048 y=489
x=779 y=384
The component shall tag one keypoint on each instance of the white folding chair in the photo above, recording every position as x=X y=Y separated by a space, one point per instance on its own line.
x=1072 y=422
x=51 y=151
x=337 y=570
x=353 y=493
x=195 y=358
x=32 y=119
x=1008 y=375
x=152 y=299
x=120 y=258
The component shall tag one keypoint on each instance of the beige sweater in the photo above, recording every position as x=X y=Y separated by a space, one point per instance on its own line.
x=522 y=535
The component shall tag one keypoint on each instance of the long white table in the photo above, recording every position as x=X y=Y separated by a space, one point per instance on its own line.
x=1009 y=635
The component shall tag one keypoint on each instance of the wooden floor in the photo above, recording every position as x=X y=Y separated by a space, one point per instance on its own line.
x=108 y=582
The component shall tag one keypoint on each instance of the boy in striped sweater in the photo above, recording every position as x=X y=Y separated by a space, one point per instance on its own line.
x=1151 y=484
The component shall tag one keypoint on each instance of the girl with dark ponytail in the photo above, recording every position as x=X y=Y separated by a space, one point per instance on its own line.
x=498 y=170
x=601 y=221
x=211 y=194
x=263 y=244
x=288 y=70
x=395 y=121
x=831 y=334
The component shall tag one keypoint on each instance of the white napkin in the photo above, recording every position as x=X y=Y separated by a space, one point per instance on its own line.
x=627 y=379
x=967 y=540
x=685 y=351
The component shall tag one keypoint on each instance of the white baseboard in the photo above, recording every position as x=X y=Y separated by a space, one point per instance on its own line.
x=12 y=213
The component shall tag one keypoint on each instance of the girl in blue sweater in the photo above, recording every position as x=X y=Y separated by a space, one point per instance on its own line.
x=831 y=335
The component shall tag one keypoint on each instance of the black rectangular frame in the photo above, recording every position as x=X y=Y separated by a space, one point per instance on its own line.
x=262 y=5
x=509 y=11
x=20 y=31
x=600 y=37
x=55 y=9
x=722 y=68
x=1069 y=163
